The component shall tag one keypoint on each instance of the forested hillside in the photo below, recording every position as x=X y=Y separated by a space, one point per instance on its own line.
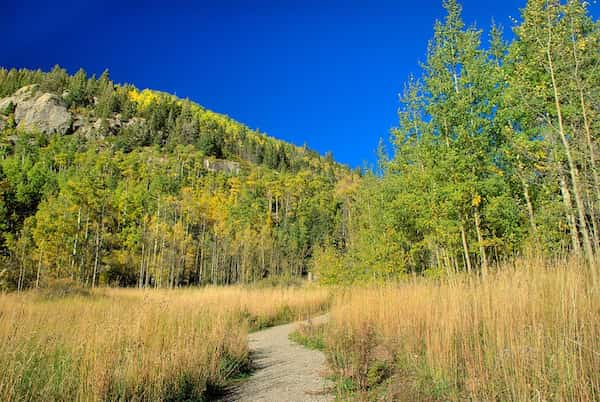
x=105 y=184
x=495 y=155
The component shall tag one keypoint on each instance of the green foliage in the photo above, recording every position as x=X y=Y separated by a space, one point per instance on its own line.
x=482 y=170
x=8 y=110
x=310 y=335
x=132 y=204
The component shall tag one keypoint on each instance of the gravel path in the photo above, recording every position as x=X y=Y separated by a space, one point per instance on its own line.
x=284 y=371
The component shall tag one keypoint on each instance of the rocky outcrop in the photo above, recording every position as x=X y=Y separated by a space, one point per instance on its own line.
x=46 y=113
x=90 y=127
x=22 y=95
x=35 y=110
x=222 y=166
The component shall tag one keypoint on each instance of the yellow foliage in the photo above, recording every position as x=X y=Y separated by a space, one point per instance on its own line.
x=235 y=187
x=143 y=98
x=497 y=171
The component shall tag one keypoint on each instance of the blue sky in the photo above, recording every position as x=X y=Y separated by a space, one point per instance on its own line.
x=325 y=73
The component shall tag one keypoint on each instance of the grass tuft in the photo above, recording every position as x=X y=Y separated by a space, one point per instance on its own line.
x=310 y=335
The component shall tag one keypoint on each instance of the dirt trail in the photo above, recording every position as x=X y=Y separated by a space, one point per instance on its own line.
x=285 y=371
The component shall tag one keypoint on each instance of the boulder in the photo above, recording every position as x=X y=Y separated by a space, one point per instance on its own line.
x=222 y=166
x=39 y=111
x=135 y=122
x=97 y=128
x=25 y=93
x=22 y=95
x=44 y=112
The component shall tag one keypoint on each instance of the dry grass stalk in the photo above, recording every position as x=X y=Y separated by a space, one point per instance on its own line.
x=530 y=331
x=132 y=344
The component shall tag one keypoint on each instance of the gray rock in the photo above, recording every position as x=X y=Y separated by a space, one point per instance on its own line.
x=105 y=127
x=139 y=122
x=22 y=95
x=79 y=122
x=101 y=128
x=46 y=113
x=39 y=111
x=223 y=166
x=26 y=93
x=111 y=124
x=83 y=125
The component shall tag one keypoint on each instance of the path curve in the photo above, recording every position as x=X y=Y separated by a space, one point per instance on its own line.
x=284 y=371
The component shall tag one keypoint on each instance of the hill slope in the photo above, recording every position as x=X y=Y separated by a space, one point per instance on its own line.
x=104 y=183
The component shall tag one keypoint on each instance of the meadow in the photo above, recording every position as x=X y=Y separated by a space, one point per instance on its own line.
x=529 y=331
x=120 y=344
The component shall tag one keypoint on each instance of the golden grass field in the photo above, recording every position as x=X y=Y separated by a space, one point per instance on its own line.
x=529 y=332
x=148 y=345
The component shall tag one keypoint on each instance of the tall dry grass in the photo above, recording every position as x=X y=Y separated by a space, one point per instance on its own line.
x=530 y=331
x=135 y=345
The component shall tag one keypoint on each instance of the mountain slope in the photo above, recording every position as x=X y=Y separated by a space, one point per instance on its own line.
x=105 y=184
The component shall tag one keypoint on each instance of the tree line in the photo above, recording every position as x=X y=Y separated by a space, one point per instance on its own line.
x=495 y=154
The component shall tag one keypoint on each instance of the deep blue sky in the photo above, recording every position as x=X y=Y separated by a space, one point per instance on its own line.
x=326 y=73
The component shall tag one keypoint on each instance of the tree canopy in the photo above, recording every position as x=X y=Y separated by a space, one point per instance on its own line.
x=495 y=154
